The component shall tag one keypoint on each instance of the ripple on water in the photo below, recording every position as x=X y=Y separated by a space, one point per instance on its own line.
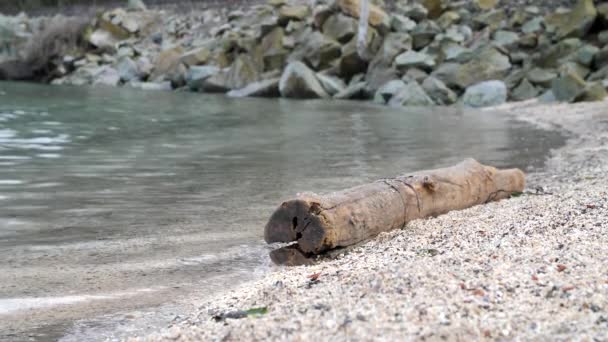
x=11 y=182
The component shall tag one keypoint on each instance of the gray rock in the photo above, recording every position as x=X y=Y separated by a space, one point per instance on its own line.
x=318 y=50
x=415 y=74
x=542 y=77
x=507 y=39
x=413 y=59
x=411 y=95
x=602 y=37
x=340 y=27
x=351 y=63
x=573 y=23
x=243 y=72
x=547 y=97
x=586 y=54
x=355 y=91
x=136 y=5
x=424 y=33
x=484 y=94
x=601 y=58
x=599 y=75
x=524 y=91
x=414 y=11
x=439 y=92
x=296 y=12
x=299 y=81
x=127 y=70
x=264 y=88
x=400 y=23
x=568 y=86
x=533 y=25
x=387 y=91
x=514 y=78
x=454 y=52
x=486 y=64
x=594 y=91
x=106 y=76
x=493 y=19
x=331 y=84
x=196 y=75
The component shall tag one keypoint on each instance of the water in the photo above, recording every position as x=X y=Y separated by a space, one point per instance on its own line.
x=118 y=199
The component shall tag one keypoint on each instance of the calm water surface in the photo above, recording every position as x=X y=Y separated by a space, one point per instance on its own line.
x=108 y=194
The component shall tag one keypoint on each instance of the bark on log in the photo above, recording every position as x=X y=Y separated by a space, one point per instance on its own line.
x=320 y=223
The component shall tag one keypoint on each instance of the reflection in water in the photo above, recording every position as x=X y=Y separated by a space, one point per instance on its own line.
x=168 y=189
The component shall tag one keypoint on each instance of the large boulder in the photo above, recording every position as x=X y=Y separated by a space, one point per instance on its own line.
x=377 y=17
x=439 y=92
x=299 y=81
x=196 y=76
x=317 y=50
x=487 y=64
x=127 y=69
x=273 y=51
x=485 y=94
x=340 y=27
x=540 y=76
x=568 y=86
x=388 y=90
x=242 y=72
x=411 y=95
x=355 y=91
x=196 y=56
x=331 y=84
x=573 y=23
x=168 y=64
x=351 y=62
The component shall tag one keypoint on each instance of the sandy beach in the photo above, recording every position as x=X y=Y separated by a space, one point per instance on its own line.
x=531 y=267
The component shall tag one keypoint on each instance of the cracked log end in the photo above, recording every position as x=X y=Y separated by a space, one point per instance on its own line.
x=290 y=256
x=297 y=220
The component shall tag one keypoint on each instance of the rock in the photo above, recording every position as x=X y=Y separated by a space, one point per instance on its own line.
x=568 y=86
x=378 y=75
x=196 y=75
x=355 y=91
x=586 y=54
x=277 y=3
x=533 y=25
x=448 y=19
x=486 y=64
x=106 y=76
x=298 y=81
x=486 y=4
x=600 y=59
x=273 y=51
x=340 y=27
x=377 y=17
x=320 y=15
x=388 y=90
x=492 y=19
x=433 y=7
x=162 y=86
x=127 y=70
x=136 y=5
x=197 y=56
x=288 y=13
x=547 y=97
x=454 y=52
x=242 y=72
x=103 y=40
x=506 y=39
x=265 y=88
x=400 y=23
x=411 y=95
x=317 y=50
x=416 y=75
x=528 y=41
x=439 y=92
x=351 y=63
x=593 y=92
x=555 y=55
x=581 y=70
x=514 y=78
x=424 y=33
x=485 y=94
x=524 y=91
x=413 y=59
x=331 y=84
x=415 y=11
x=599 y=75
x=541 y=77
x=168 y=63
x=574 y=23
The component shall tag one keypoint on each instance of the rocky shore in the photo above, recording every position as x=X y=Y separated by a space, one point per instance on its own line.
x=432 y=52
x=527 y=268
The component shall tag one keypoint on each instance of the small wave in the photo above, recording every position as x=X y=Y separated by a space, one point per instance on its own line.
x=10 y=182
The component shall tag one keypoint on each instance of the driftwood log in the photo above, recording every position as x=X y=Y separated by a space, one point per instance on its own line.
x=321 y=223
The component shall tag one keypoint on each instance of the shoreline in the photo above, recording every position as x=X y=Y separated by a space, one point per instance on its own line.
x=527 y=267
